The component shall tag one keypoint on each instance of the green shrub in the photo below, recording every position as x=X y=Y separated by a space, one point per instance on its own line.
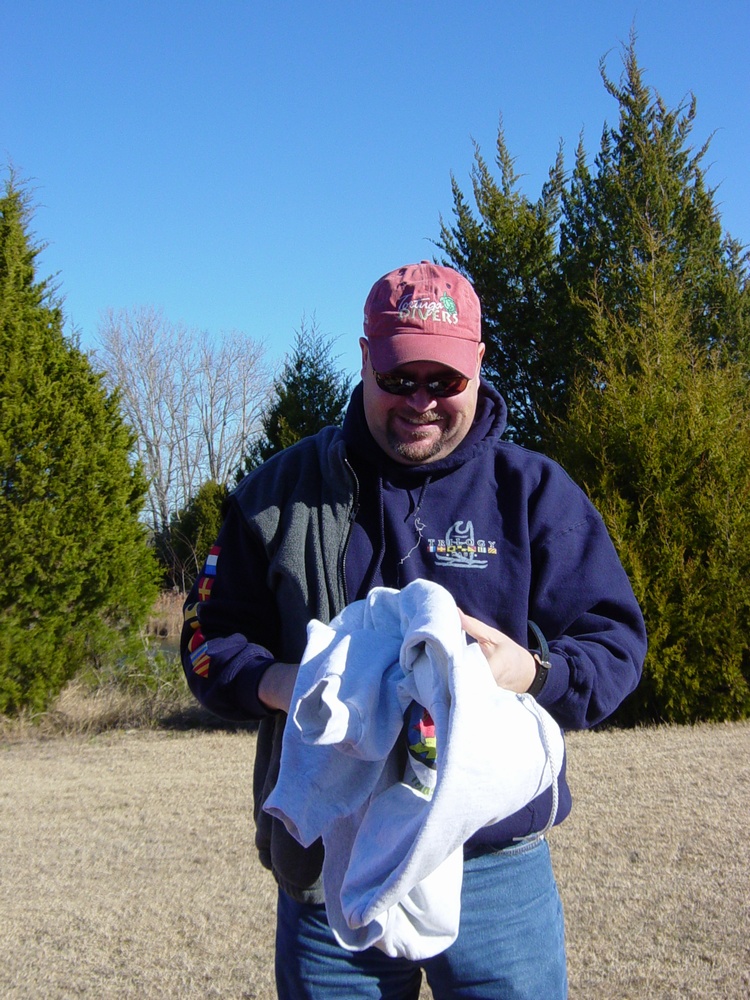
x=79 y=575
x=192 y=531
x=661 y=441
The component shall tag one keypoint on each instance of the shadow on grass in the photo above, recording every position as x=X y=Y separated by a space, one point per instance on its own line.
x=194 y=717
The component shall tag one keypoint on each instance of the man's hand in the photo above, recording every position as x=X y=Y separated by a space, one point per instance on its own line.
x=512 y=666
x=277 y=685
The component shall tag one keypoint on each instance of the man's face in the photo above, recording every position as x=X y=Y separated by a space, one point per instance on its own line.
x=419 y=428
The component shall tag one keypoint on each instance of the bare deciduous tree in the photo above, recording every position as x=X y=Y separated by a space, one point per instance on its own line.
x=194 y=400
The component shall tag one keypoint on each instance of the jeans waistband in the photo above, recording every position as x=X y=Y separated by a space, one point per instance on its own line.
x=505 y=847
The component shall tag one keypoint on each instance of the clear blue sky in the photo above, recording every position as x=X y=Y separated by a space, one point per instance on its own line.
x=241 y=164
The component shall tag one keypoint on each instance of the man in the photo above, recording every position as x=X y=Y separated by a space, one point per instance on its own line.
x=418 y=484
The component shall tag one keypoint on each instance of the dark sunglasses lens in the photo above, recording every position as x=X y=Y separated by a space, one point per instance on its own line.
x=448 y=386
x=440 y=387
x=395 y=385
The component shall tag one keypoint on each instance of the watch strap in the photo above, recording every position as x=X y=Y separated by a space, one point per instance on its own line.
x=541 y=656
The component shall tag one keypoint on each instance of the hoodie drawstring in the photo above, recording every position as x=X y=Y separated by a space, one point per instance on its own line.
x=419 y=525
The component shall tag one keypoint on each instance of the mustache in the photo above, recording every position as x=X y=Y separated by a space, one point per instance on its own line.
x=424 y=419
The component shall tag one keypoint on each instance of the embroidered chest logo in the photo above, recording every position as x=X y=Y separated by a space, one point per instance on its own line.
x=461 y=549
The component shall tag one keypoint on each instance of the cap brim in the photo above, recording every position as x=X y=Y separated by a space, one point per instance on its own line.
x=405 y=348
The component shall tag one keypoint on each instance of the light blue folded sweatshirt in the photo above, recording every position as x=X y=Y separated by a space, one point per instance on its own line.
x=394 y=853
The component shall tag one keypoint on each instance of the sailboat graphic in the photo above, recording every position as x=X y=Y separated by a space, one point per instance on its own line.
x=461 y=549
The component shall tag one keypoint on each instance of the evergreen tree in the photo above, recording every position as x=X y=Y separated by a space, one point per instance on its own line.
x=648 y=189
x=660 y=438
x=310 y=394
x=192 y=532
x=79 y=576
x=649 y=319
x=508 y=252
x=646 y=182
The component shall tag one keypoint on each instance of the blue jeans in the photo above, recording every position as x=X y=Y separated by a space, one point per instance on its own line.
x=510 y=946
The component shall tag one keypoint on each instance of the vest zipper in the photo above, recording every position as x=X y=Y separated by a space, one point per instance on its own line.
x=352 y=518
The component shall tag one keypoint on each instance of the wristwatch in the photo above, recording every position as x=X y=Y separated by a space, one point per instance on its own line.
x=541 y=658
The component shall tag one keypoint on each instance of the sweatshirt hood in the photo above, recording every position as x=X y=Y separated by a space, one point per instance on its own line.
x=489 y=424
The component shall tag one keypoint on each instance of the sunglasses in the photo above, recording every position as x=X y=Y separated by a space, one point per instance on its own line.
x=439 y=388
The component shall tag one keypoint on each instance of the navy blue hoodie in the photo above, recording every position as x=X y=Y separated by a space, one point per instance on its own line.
x=503 y=529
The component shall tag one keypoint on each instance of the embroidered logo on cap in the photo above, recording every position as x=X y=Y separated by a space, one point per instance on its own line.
x=442 y=311
x=448 y=303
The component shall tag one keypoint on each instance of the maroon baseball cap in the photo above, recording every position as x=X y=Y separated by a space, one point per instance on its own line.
x=423 y=312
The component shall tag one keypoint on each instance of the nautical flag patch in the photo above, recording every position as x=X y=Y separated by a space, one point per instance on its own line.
x=201 y=664
x=196 y=640
x=191 y=615
x=198 y=650
x=212 y=558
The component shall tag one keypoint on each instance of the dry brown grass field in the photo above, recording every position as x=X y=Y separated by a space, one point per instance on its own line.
x=127 y=866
